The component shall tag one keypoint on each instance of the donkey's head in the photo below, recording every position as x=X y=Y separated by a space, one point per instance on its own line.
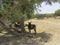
x=29 y=22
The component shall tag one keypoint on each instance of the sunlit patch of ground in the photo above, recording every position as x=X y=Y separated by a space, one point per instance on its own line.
x=46 y=28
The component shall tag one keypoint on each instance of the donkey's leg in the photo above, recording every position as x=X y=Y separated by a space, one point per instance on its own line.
x=35 y=30
x=29 y=31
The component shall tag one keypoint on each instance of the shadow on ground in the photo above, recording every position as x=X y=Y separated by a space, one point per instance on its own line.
x=25 y=39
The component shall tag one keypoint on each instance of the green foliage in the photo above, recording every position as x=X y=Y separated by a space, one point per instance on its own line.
x=49 y=15
x=0 y=13
x=42 y=16
x=14 y=9
x=57 y=12
x=18 y=9
x=39 y=16
x=23 y=7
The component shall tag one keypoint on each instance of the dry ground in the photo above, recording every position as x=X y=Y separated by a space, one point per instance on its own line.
x=51 y=26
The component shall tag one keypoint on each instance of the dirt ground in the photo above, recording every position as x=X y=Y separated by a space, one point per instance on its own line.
x=50 y=26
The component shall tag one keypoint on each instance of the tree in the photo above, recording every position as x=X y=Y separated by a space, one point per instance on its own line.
x=57 y=12
x=18 y=9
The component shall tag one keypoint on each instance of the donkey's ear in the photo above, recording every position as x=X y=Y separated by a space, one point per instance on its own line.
x=29 y=21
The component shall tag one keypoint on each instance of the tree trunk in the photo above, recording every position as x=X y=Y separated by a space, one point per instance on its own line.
x=22 y=25
x=9 y=29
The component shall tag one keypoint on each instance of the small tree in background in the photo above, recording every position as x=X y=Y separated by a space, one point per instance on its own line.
x=57 y=12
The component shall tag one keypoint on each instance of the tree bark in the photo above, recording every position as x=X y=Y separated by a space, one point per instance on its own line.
x=8 y=28
x=22 y=25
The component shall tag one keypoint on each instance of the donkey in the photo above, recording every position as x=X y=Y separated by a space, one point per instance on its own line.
x=31 y=26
